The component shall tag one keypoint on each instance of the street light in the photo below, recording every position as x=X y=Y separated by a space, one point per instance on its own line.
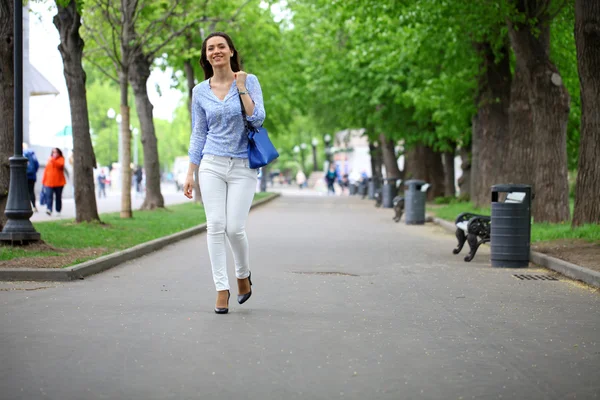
x=302 y=148
x=18 y=210
x=314 y=144
x=327 y=139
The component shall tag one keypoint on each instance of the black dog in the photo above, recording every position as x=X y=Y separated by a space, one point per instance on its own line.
x=398 y=202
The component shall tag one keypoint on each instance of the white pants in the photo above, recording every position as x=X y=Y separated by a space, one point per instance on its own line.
x=227 y=185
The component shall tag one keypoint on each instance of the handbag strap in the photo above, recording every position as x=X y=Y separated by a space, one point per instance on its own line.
x=246 y=123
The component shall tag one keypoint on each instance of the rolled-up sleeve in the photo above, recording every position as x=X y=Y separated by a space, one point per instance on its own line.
x=258 y=116
x=199 y=130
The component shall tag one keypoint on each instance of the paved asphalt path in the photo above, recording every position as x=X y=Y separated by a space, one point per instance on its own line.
x=347 y=304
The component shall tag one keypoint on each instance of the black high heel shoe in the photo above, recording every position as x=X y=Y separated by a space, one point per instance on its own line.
x=226 y=309
x=242 y=298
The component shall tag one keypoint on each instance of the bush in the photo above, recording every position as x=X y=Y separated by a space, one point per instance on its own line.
x=443 y=200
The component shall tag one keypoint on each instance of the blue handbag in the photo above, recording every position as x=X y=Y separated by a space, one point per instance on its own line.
x=260 y=149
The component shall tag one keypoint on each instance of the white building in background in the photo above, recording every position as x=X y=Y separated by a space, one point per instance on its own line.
x=352 y=154
x=34 y=83
x=351 y=151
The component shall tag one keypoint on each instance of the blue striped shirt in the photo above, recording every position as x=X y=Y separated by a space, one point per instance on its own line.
x=217 y=125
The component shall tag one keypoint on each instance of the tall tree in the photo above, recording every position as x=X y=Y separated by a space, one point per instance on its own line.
x=518 y=163
x=388 y=153
x=529 y=32
x=587 y=40
x=449 y=174
x=490 y=125
x=170 y=20
x=6 y=101
x=112 y=27
x=68 y=22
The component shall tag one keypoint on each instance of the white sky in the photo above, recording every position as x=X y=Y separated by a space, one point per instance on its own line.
x=50 y=114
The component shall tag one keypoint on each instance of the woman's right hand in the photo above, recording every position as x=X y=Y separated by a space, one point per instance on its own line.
x=188 y=186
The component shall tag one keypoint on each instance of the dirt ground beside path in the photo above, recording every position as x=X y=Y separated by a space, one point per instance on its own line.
x=64 y=258
x=576 y=251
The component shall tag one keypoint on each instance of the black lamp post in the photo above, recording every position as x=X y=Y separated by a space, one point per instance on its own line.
x=18 y=210
x=327 y=139
x=302 y=149
x=314 y=143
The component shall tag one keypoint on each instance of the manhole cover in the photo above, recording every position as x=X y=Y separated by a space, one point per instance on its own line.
x=535 y=277
x=324 y=273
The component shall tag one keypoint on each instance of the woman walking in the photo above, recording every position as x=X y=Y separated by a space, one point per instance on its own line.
x=54 y=180
x=219 y=145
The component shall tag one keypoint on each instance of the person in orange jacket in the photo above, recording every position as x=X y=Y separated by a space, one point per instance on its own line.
x=54 y=180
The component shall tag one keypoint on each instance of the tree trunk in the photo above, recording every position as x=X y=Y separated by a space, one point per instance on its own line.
x=464 y=182
x=126 y=148
x=376 y=161
x=434 y=173
x=414 y=163
x=549 y=102
x=490 y=127
x=68 y=22
x=128 y=8
x=425 y=164
x=6 y=101
x=587 y=41
x=189 y=76
x=389 y=157
x=518 y=166
x=138 y=77
x=476 y=134
x=449 y=188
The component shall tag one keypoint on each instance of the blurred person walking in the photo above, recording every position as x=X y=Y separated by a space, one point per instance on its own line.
x=32 y=169
x=101 y=179
x=54 y=180
x=219 y=145
x=300 y=179
x=330 y=178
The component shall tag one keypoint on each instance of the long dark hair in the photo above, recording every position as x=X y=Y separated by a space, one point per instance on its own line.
x=236 y=65
x=58 y=151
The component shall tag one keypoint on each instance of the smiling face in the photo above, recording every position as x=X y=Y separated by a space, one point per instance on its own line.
x=218 y=52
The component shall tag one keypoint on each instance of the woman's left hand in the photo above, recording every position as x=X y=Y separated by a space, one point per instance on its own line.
x=240 y=79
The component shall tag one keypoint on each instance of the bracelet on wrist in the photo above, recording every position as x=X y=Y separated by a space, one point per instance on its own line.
x=245 y=91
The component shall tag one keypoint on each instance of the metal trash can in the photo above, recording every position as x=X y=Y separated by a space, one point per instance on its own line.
x=353 y=189
x=511 y=226
x=389 y=192
x=415 y=193
x=362 y=188
x=373 y=186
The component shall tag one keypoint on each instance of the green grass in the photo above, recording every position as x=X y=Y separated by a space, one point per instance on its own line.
x=539 y=231
x=114 y=233
x=543 y=231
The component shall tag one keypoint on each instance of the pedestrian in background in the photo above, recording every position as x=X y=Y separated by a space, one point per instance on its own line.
x=300 y=179
x=139 y=176
x=101 y=179
x=54 y=180
x=219 y=139
x=330 y=179
x=32 y=169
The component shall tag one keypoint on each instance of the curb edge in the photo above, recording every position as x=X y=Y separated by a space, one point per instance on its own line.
x=566 y=268
x=91 y=267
